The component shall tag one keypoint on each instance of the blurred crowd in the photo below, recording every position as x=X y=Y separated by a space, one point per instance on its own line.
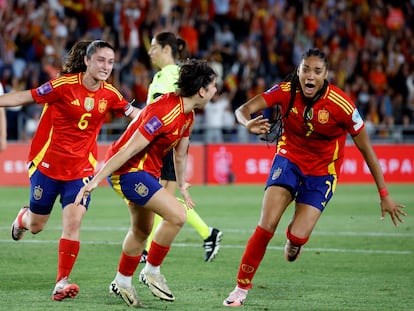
x=250 y=43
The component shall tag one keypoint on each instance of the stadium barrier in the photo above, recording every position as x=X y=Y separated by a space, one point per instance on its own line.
x=239 y=164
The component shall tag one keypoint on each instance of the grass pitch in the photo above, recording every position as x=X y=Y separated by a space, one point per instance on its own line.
x=353 y=260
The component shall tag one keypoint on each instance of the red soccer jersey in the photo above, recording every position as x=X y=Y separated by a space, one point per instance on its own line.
x=64 y=146
x=163 y=123
x=316 y=146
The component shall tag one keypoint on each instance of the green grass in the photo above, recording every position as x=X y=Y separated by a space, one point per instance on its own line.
x=353 y=261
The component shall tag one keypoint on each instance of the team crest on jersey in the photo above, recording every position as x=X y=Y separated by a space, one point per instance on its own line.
x=89 y=103
x=309 y=115
x=37 y=193
x=276 y=173
x=102 y=105
x=141 y=189
x=323 y=116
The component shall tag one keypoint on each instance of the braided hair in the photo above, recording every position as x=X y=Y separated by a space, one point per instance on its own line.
x=276 y=124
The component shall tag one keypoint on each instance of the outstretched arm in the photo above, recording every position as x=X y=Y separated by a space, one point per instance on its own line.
x=3 y=129
x=388 y=205
x=19 y=98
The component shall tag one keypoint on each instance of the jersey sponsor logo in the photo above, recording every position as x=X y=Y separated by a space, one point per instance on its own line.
x=323 y=116
x=37 y=192
x=102 y=105
x=152 y=125
x=89 y=103
x=75 y=102
x=141 y=189
x=44 y=89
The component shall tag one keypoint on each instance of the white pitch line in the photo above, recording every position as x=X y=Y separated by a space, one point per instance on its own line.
x=248 y=231
x=278 y=248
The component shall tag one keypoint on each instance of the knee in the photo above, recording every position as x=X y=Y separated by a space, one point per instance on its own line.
x=36 y=227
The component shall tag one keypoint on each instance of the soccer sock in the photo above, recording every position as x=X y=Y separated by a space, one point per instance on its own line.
x=157 y=254
x=253 y=255
x=157 y=220
x=126 y=268
x=67 y=254
x=128 y=264
x=20 y=220
x=296 y=240
x=195 y=221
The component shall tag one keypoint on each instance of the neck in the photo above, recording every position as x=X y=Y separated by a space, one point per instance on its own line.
x=90 y=83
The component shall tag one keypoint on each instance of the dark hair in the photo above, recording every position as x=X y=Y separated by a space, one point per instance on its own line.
x=277 y=118
x=194 y=74
x=75 y=59
x=95 y=45
x=178 y=45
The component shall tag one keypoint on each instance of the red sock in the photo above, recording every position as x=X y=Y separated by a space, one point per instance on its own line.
x=67 y=254
x=128 y=264
x=253 y=255
x=296 y=240
x=157 y=253
x=20 y=220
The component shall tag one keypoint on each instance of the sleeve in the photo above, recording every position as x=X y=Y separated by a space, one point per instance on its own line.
x=45 y=93
x=150 y=124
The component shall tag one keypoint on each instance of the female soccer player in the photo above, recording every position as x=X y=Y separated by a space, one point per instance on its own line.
x=133 y=164
x=166 y=50
x=63 y=153
x=317 y=117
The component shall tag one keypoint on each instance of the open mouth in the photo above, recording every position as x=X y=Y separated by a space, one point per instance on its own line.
x=309 y=89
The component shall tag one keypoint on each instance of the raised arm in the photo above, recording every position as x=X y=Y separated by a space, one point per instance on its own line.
x=257 y=125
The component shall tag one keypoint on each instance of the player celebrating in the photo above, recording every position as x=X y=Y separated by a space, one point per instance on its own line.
x=317 y=116
x=133 y=164
x=63 y=153
x=165 y=49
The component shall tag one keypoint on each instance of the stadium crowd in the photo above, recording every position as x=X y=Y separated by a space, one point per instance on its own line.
x=250 y=44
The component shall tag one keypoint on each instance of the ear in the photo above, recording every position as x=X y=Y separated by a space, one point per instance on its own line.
x=85 y=60
x=202 y=92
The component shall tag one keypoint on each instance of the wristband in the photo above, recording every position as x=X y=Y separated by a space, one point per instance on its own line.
x=383 y=192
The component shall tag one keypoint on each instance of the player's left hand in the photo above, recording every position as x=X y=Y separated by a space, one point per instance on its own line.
x=186 y=195
x=388 y=205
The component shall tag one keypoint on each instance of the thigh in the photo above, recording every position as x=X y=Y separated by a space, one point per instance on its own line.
x=316 y=191
x=135 y=187
x=69 y=190
x=43 y=193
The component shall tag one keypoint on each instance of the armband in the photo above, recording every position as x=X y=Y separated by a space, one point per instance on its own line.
x=383 y=192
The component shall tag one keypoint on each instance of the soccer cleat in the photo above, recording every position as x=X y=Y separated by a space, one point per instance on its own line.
x=212 y=244
x=144 y=256
x=292 y=251
x=17 y=233
x=64 y=289
x=236 y=298
x=128 y=295
x=157 y=284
